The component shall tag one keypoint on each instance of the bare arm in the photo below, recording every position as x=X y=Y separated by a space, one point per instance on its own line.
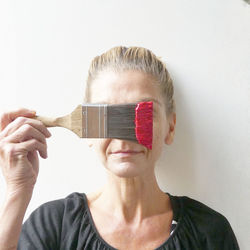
x=11 y=218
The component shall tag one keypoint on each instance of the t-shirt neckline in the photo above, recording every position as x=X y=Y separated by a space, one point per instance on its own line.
x=177 y=215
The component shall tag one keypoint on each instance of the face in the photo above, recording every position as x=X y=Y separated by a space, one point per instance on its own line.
x=126 y=158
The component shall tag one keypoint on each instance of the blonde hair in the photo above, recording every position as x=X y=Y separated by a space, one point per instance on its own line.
x=121 y=58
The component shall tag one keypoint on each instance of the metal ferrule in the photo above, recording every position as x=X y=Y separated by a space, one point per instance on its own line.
x=94 y=120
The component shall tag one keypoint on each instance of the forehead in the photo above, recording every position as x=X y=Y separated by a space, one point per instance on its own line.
x=123 y=87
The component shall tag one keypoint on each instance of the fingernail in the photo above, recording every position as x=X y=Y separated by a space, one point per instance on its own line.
x=33 y=112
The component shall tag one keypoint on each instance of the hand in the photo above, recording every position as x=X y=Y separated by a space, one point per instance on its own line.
x=21 y=138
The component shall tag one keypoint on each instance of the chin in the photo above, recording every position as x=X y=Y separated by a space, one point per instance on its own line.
x=125 y=170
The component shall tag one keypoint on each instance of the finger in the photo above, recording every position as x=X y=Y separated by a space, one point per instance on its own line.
x=24 y=133
x=32 y=145
x=21 y=121
x=33 y=157
x=8 y=117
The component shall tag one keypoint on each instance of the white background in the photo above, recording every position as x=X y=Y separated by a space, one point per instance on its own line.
x=45 y=51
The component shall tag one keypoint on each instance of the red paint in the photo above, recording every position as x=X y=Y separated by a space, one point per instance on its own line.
x=144 y=123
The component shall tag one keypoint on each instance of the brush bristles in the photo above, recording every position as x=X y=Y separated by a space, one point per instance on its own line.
x=132 y=121
x=121 y=121
x=144 y=123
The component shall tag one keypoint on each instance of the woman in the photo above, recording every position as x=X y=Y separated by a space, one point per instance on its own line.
x=130 y=211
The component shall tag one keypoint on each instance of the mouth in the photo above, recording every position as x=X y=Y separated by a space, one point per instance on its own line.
x=125 y=152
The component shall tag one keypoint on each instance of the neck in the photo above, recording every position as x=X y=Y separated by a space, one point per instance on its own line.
x=133 y=199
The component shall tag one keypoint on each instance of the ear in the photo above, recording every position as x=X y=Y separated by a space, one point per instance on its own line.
x=171 y=129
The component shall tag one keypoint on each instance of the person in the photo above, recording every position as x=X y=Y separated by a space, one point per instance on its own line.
x=130 y=211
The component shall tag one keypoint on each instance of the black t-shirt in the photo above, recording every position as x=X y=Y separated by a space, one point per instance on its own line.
x=66 y=224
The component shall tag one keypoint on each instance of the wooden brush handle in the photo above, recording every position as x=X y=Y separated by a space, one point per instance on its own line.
x=55 y=122
x=72 y=121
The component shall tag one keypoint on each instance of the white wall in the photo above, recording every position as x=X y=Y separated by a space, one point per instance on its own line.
x=45 y=51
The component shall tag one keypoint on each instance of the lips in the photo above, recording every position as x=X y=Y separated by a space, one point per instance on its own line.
x=125 y=152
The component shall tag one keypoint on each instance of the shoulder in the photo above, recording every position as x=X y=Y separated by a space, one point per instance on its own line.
x=59 y=207
x=54 y=211
x=203 y=216
x=48 y=224
x=210 y=227
x=60 y=204
x=201 y=212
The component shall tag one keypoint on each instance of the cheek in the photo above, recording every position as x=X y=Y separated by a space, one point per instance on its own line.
x=159 y=135
x=158 y=141
x=100 y=146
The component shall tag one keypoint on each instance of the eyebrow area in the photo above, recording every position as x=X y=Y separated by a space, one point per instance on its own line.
x=140 y=100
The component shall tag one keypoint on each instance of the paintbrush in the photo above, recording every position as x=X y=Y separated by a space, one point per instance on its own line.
x=122 y=121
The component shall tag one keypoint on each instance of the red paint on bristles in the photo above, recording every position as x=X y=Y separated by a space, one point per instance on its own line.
x=144 y=123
